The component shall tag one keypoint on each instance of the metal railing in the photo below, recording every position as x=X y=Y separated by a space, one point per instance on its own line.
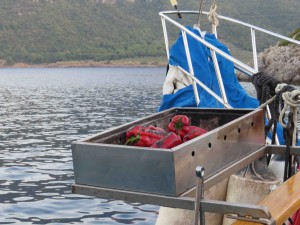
x=246 y=69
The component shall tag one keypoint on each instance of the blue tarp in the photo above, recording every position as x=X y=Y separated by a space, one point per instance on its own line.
x=204 y=71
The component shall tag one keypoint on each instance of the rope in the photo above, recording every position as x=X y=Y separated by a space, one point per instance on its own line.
x=281 y=98
x=291 y=102
x=270 y=92
x=200 y=13
x=212 y=15
x=262 y=106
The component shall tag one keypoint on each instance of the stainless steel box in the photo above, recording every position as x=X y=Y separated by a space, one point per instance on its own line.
x=104 y=161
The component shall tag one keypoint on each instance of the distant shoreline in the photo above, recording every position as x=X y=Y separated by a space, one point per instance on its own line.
x=89 y=63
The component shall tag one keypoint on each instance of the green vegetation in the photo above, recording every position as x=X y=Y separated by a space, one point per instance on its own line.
x=295 y=35
x=48 y=31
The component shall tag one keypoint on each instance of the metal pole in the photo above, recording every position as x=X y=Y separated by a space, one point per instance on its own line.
x=219 y=77
x=199 y=196
x=210 y=46
x=163 y=21
x=208 y=90
x=254 y=49
x=188 y=57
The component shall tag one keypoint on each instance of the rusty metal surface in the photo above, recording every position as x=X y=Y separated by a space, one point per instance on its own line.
x=103 y=161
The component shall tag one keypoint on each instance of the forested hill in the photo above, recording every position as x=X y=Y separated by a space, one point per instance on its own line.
x=45 y=31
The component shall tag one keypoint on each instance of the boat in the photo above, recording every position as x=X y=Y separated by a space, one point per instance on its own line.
x=180 y=177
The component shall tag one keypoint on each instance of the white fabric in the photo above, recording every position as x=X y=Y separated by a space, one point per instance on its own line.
x=175 y=80
x=201 y=32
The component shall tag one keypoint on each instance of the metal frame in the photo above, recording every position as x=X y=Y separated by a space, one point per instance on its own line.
x=247 y=212
x=242 y=211
x=237 y=63
x=170 y=172
x=164 y=200
x=246 y=130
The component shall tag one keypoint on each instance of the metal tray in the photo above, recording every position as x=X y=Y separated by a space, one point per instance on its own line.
x=104 y=161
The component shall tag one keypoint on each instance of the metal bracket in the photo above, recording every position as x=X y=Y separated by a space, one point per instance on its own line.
x=252 y=219
x=281 y=149
x=244 y=211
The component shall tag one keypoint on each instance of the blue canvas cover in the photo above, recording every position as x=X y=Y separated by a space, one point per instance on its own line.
x=204 y=71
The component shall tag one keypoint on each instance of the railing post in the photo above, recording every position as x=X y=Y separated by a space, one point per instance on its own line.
x=254 y=49
x=164 y=26
x=208 y=90
x=219 y=77
x=191 y=70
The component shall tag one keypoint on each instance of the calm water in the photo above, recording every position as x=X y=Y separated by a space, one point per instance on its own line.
x=42 y=112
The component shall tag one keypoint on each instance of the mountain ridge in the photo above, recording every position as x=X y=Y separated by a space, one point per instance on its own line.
x=49 y=31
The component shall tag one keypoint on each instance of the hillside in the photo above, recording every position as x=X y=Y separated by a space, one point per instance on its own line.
x=47 y=31
x=276 y=61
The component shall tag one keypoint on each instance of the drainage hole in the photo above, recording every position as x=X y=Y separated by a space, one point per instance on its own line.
x=239 y=130
x=209 y=145
x=252 y=124
x=225 y=137
x=193 y=153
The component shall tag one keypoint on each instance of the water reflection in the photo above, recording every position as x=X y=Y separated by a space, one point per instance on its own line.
x=43 y=111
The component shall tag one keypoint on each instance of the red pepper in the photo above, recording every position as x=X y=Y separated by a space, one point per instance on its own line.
x=178 y=124
x=133 y=131
x=170 y=141
x=151 y=127
x=188 y=129
x=195 y=132
x=143 y=136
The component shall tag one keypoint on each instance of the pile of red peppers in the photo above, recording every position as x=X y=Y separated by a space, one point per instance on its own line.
x=179 y=130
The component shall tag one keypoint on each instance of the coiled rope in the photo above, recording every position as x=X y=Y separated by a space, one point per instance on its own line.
x=290 y=101
x=279 y=97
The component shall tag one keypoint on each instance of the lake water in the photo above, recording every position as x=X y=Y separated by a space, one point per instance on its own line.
x=42 y=112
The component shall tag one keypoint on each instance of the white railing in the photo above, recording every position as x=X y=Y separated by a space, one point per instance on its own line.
x=246 y=69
